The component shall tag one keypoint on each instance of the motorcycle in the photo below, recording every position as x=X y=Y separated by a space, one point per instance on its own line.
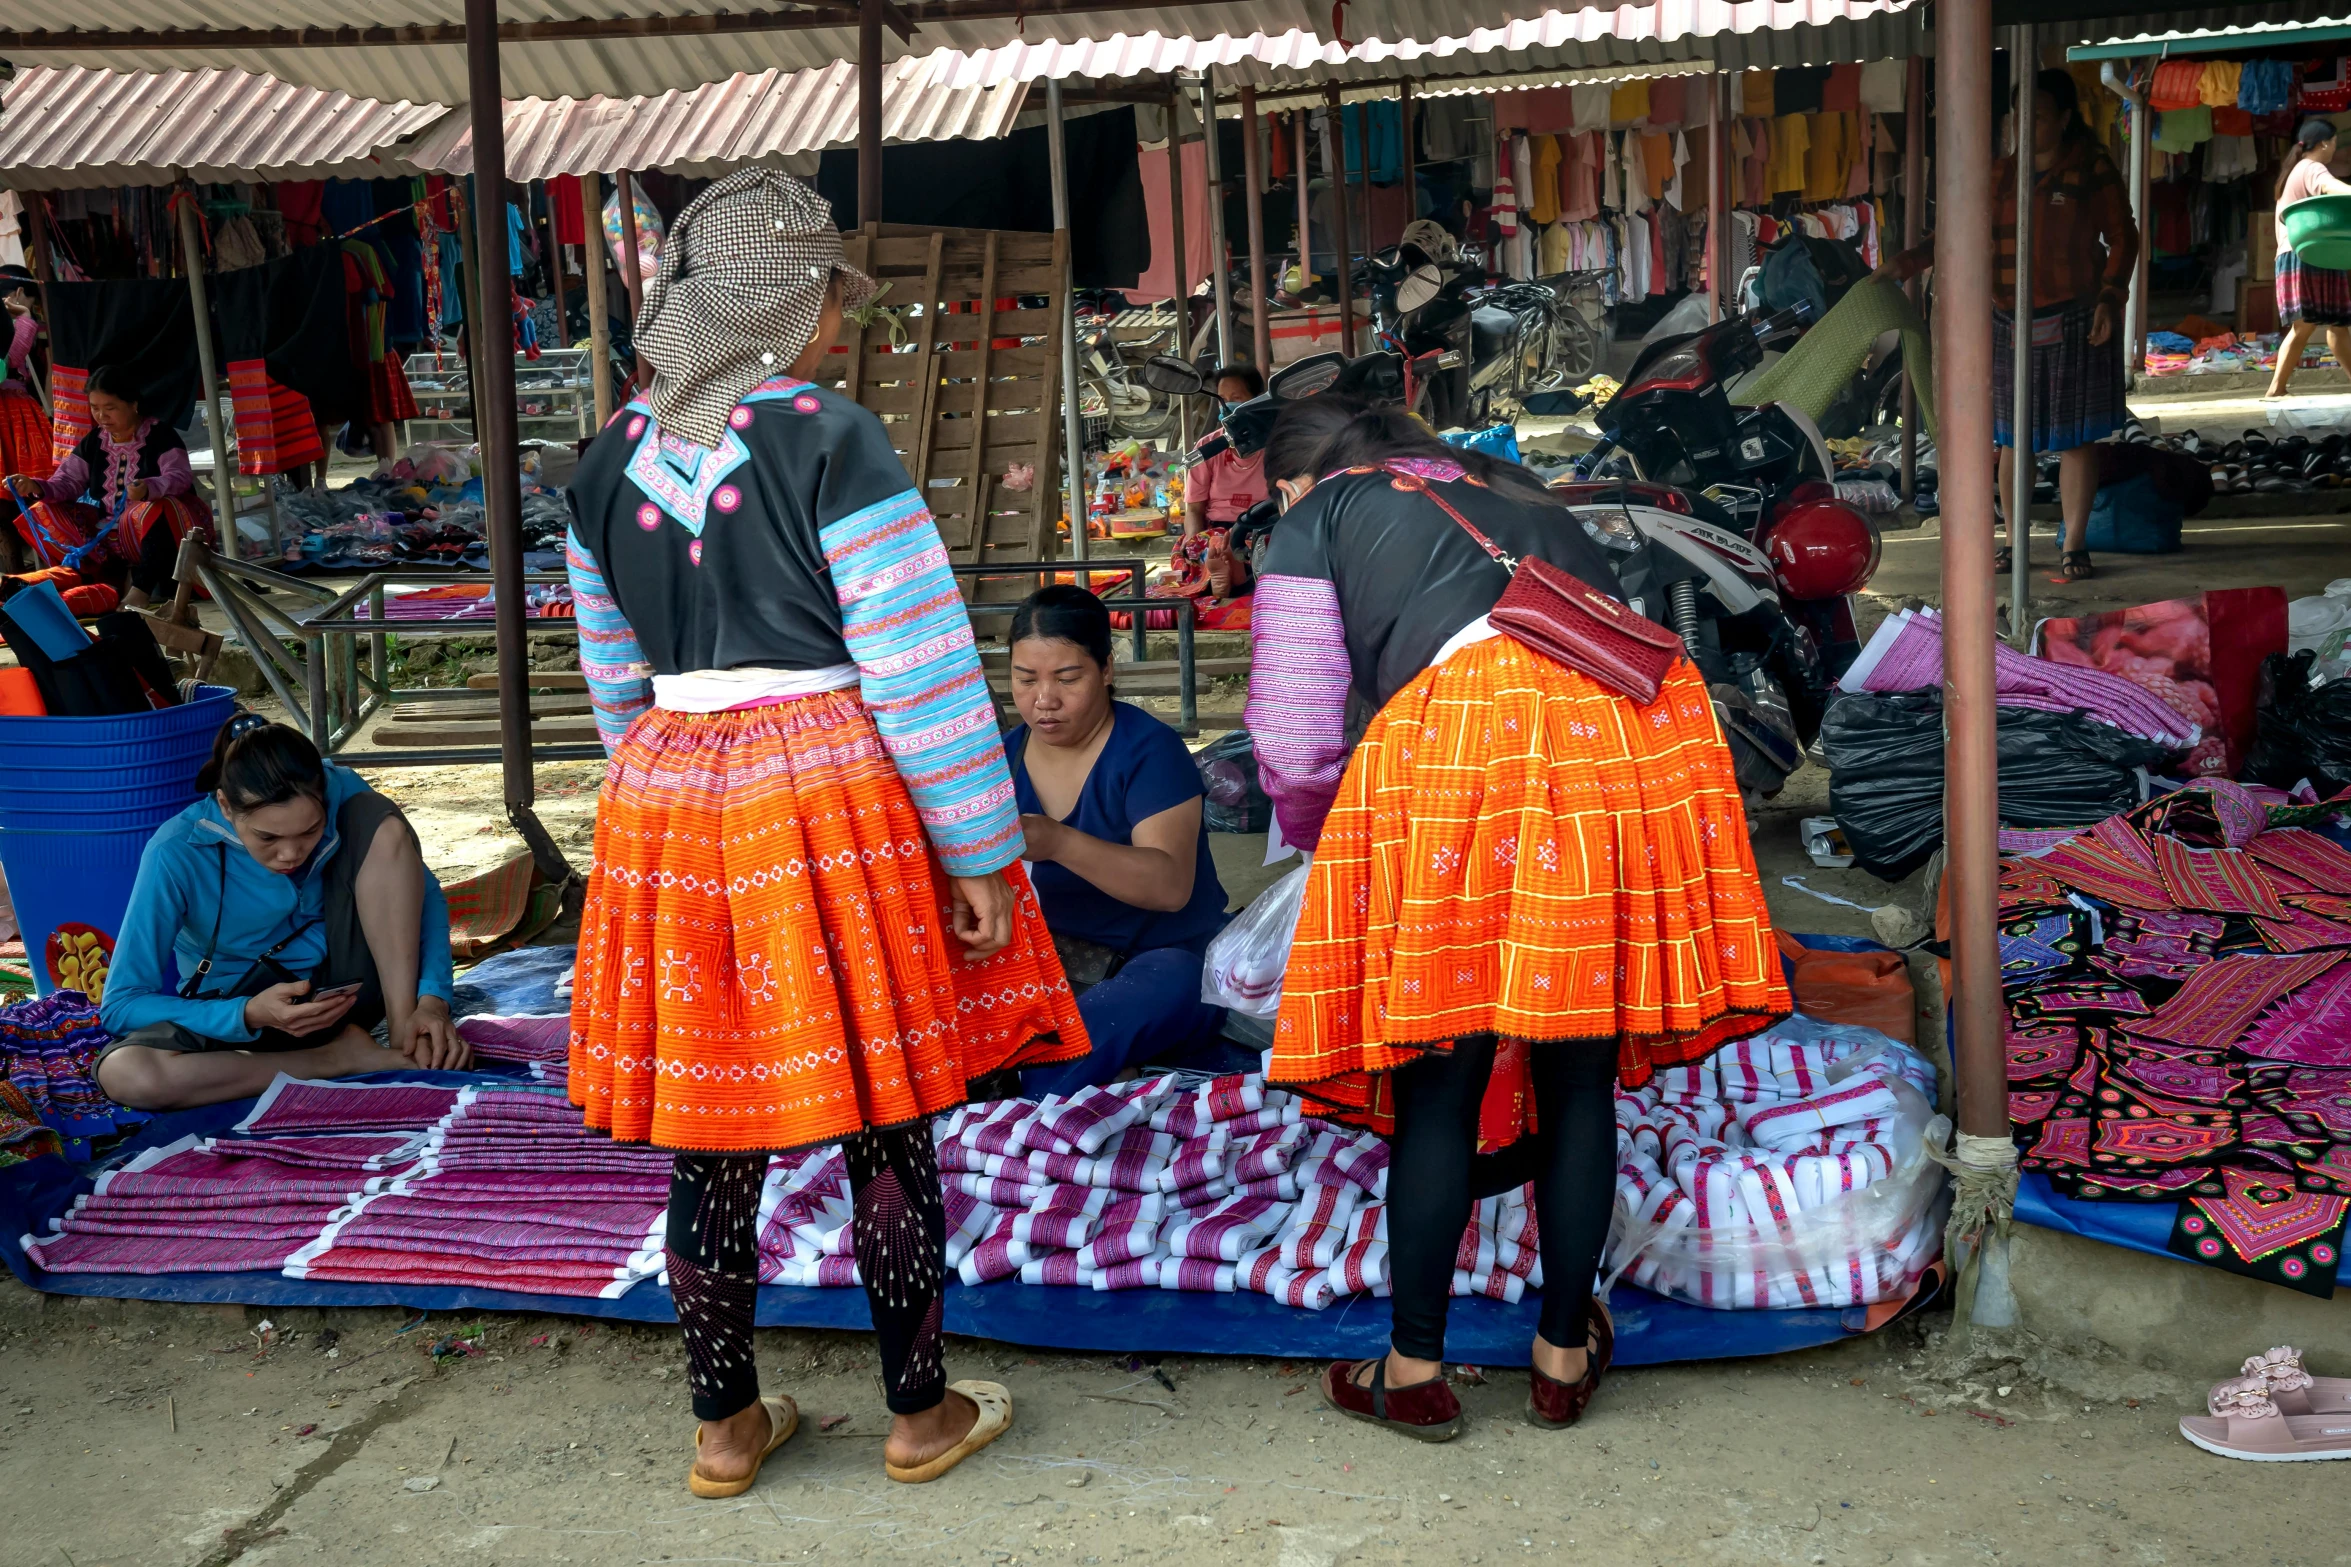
x=1107 y=389
x=1472 y=352
x=1747 y=497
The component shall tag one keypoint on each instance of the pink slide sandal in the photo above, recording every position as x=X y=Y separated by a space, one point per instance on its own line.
x=2246 y=1424
x=2294 y=1390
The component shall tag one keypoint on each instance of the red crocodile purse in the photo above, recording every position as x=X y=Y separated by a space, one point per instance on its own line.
x=1565 y=618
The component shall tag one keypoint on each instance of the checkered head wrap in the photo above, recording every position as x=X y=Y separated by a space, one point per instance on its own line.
x=739 y=294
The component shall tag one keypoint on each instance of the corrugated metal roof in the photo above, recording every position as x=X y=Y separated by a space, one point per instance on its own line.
x=2215 y=39
x=1734 y=35
x=64 y=128
x=669 y=61
x=767 y=117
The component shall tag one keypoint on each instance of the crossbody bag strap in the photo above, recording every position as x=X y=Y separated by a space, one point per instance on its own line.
x=1406 y=480
x=194 y=989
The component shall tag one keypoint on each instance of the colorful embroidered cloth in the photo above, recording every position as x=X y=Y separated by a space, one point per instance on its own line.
x=2178 y=986
x=49 y=1056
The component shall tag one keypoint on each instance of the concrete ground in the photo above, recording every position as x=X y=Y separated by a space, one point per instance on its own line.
x=147 y=1436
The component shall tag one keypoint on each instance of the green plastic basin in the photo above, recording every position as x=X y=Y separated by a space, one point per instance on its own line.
x=2320 y=229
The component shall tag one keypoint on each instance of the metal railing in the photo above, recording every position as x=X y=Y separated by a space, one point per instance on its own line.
x=307 y=640
x=330 y=682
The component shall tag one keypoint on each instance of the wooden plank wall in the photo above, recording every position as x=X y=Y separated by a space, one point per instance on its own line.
x=990 y=401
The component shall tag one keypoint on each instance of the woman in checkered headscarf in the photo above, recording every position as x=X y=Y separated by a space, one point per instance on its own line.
x=807 y=922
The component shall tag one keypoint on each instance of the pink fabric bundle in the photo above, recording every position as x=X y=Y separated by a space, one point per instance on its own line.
x=1220 y=1099
x=1317 y=1228
x=1195 y=1273
x=1087 y=1120
x=1124 y=1235
x=1226 y=1232
x=292 y=1106
x=517 y=1038
x=1067 y=1219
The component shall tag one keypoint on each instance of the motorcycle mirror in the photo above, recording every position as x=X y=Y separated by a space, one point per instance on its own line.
x=1306 y=377
x=1175 y=377
x=1422 y=284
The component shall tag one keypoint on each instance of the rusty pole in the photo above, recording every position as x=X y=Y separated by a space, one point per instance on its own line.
x=1253 y=186
x=869 y=113
x=1914 y=227
x=1963 y=389
x=1718 y=201
x=1334 y=144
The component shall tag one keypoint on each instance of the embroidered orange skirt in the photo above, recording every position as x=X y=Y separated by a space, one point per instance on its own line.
x=1517 y=851
x=766 y=959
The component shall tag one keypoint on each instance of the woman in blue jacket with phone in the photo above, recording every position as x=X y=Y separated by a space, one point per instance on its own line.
x=307 y=936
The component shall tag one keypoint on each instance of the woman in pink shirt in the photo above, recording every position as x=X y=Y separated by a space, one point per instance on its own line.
x=2309 y=297
x=24 y=422
x=1216 y=493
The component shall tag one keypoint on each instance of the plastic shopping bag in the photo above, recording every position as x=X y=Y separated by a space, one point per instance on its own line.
x=1245 y=961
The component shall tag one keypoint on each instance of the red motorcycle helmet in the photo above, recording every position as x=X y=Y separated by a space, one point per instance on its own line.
x=1819 y=546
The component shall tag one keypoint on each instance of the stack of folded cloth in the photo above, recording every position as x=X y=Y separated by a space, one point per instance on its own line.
x=218 y=1204
x=49 y=1054
x=1738 y=1177
x=543 y=1044
x=509 y=1191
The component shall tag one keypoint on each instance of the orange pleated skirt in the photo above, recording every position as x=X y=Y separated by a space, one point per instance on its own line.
x=1518 y=851
x=766 y=959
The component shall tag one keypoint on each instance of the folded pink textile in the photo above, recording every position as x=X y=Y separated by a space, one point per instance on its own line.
x=367 y=1264
x=1906 y=654
x=292 y=1106
x=75 y=1253
x=517 y=1038
x=365 y=1150
x=1219 y=1099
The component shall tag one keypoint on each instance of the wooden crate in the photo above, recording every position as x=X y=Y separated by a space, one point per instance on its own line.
x=964 y=402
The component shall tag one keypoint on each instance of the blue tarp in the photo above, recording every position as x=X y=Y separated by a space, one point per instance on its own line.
x=2136 y=1226
x=1650 y=1330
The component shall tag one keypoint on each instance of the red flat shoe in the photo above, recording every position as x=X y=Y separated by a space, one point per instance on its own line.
x=1425 y=1411
x=1556 y=1405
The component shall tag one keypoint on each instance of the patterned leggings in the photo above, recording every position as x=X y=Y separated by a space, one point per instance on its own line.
x=899 y=1236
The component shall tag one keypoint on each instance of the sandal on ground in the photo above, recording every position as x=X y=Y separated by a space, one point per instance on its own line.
x=1425 y=1411
x=1554 y=1404
x=2245 y=1423
x=995 y=1406
x=2075 y=566
x=783 y=1418
x=2294 y=1390
x=2003 y=561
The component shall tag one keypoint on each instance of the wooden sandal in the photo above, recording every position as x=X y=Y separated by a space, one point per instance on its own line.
x=995 y=1406
x=783 y=1418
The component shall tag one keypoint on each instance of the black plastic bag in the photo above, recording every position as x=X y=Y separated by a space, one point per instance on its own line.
x=121 y=669
x=1228 y=771
x=2300 y=732
x=1885 y=754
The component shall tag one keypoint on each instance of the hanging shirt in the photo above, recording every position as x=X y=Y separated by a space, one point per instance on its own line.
x=1882 y=85
x=1636 y=173
x=1590 y=100
x=1666 y=99
x=1755 y=94
x=1543 y=189
x=1579 y=177
x=1628 y=103
x=1791 y=139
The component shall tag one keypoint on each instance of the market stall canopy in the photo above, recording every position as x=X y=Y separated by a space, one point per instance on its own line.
x=69 y=128
x=769 y=117
x=584 y=48
x=1730 y=35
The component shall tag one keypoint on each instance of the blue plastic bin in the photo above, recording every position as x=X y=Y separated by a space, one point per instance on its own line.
x=69 y=878
x=132 y=740
x=100 y=800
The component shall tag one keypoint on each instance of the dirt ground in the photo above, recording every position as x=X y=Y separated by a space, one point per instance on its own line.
x=172 y=1436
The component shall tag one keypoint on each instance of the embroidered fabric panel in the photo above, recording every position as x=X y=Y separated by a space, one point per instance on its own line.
x=910 y=635
x=620 y=682
x=1297 y=708
x=679 y=477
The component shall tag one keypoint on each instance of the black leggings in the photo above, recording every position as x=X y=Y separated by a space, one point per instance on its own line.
x=1429 y=1197
x=899 y=1235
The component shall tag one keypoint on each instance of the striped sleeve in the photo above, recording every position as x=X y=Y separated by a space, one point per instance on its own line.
x=1297 y=709
x=620 y=683
x=910 y=635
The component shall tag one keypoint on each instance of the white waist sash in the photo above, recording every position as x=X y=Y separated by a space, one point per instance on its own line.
x=716 y=690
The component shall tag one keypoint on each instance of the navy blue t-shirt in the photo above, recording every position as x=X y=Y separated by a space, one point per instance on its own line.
x=1144 y=769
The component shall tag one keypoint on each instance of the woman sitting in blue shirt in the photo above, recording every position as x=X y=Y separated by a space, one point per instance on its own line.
x=295 y=906
x=1110 y=804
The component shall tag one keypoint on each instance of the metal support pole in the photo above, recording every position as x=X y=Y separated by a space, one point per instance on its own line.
x=2022 y=472
x=599 y=307
x=1964 y=299
x=1305 y=206
x=224 y=499
x=494 y=422
x=2134 y=321
x=1718 y=204
x=1411 y=163
x=1914 y=218
x=869 y=112
x=1073 y=477
x=1334 y=146
x=1183 y=257
x=1253 y=183
x=1220 y=264
x=555 y=273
